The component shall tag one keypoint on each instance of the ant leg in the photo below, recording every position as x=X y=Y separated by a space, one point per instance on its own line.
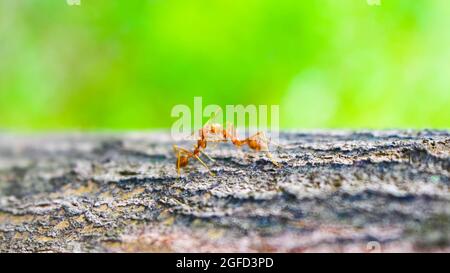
x=178 y=163
x=217 y=141
x=196 y=157
x=269 y=140
x=269 y=155
x=175 y=148
x=203 y=153
x=231 y=130
x=181 y=150
x=177 y=151
x=212 y=159
x=206 y=166
x=263 y=138
x=184 y=150
x=233 y=136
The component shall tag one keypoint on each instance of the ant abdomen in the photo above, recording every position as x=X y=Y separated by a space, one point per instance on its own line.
x=182 y=161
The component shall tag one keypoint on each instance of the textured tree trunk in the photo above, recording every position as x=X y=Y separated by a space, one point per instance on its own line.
x=333 y=191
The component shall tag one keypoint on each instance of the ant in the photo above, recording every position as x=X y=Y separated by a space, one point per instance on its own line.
x=257 y=142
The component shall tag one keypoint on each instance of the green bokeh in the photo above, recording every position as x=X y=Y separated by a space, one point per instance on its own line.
x=124 y=64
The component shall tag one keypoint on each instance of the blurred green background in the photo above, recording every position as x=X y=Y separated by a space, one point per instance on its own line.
x=124 y=64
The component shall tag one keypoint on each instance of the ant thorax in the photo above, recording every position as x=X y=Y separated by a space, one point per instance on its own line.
x=215 y=128
x=212 y=132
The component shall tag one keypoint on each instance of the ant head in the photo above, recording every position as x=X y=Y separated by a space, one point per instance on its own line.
x=201 y=143
x=254 y=144
x=257 y=144
x=182 y=161
x=215 y=128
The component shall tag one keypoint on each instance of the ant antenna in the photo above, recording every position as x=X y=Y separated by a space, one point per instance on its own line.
x=214 y=115
x=204 y=164
x=205 y=154
x=269 y=140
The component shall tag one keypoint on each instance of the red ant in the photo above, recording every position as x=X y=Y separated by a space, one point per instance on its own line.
x=257 y=142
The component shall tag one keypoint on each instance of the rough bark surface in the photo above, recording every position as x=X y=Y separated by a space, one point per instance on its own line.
x=334 y=191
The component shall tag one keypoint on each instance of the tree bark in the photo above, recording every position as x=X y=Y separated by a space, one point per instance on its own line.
x=333 y=191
